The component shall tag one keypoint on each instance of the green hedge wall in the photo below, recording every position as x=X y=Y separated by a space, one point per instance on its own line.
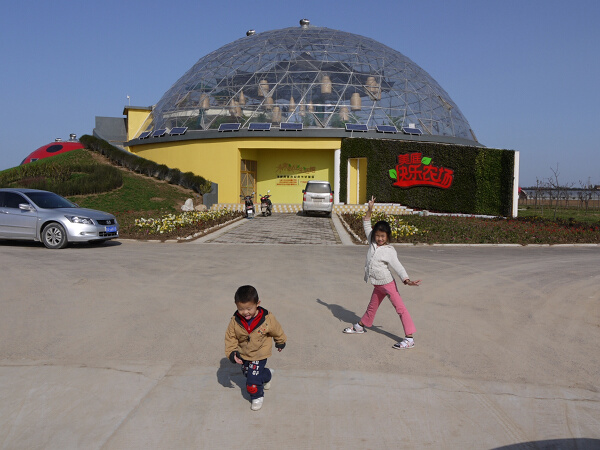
x=144 y=166
x=482 y=184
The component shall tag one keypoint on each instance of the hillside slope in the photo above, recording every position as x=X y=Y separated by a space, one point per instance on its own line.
x=73 y=172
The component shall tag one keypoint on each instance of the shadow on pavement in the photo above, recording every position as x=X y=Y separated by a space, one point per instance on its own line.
x=313 y=214
x=344 y=315
x=551 y=444
x=19 y=243
x=37 y=244
x=230 y=374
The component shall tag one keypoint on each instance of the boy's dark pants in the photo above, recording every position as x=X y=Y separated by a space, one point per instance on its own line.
x=256 y=375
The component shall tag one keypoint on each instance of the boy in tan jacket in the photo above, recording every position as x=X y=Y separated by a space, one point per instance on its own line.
x=248 y=341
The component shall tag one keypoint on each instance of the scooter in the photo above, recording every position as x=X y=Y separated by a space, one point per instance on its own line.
x=248 y=206
x=265 y=204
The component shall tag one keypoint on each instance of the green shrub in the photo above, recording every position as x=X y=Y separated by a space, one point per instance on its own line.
x=174 y=176
x=145 y=166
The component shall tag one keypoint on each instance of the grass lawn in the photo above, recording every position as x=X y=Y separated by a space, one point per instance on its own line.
x=137 y=194
x=470 y=230
x=591 y=216
x=142 y=197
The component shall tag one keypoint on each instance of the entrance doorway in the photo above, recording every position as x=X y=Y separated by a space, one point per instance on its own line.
x=357 y=181
x=248 y=178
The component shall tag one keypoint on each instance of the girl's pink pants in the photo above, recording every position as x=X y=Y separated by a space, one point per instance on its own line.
x=379 y=293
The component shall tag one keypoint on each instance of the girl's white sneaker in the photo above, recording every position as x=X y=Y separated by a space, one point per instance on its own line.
x=354 y=329
x=404 y=344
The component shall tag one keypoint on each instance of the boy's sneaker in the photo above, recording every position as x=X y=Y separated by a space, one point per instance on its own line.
x=257 y=403
x=267 y=385
x=404 y=344
x=354 y=329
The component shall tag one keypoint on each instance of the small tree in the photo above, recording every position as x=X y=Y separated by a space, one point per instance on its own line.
x=557 y=191
x=585 y=194
x=542 y=192
x=538 y=186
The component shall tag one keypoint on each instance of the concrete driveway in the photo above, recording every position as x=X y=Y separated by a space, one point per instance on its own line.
x=121 y=347
x=281 y=229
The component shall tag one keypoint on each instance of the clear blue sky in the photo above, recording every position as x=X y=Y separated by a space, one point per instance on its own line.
x=525 y=73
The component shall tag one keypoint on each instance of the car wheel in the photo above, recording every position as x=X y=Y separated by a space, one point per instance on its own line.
x=54 y=236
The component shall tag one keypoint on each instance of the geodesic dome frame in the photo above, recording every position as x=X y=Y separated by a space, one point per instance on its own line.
x=316 y=76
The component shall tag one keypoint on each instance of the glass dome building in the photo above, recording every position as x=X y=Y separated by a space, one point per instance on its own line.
x=320 y=77
x=274 y=110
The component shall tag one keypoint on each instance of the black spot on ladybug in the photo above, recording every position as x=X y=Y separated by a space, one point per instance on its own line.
x=54 y=148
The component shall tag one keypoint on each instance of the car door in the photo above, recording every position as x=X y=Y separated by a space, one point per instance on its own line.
x=16 y=223
x=3 y=217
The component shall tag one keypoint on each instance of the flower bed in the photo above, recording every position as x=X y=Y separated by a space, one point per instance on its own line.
x=172 y=226
x=472 y=230
x=400 y=229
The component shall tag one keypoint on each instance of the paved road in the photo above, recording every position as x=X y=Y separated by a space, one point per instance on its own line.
x=280 y=229
x=121 y=347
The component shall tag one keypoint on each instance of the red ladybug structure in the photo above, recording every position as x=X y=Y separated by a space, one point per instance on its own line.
x=55 y=148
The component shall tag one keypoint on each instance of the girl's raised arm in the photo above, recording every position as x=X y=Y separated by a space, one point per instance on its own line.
x=370 y=208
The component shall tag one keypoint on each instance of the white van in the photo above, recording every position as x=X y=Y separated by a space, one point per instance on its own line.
x=318 y=197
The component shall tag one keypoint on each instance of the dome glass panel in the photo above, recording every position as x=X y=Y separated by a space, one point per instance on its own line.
x=320 y=77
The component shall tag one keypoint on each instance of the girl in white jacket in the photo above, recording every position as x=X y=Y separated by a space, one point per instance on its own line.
x=380 y=257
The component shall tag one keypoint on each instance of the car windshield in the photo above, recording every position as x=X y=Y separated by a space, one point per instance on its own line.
x=319 y=188
x=49 y=200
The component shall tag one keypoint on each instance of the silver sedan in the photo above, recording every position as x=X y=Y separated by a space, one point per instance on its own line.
x=31 y=214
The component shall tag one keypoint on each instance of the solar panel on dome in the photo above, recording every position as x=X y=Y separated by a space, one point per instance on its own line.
x=159 y=133
x=387 y=129
x=178 y=131
x=290 y=126
x=409 y=130
x=259 y=126
x=229 y=127
x=356 y=127
x=145 y=134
